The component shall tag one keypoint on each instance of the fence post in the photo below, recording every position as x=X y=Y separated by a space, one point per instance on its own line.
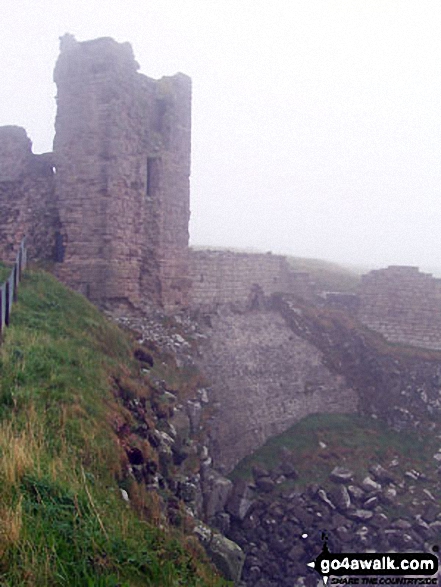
x=14 y=278
x=7 y=303
x=24 y=255
x=2 y=307
x=9 y=289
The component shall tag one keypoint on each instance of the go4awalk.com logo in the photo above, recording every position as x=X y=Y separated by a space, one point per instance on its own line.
x=376 y=568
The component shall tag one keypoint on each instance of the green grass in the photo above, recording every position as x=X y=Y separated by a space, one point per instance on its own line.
x=352 y=441
x=62 y=518
x=4 y=272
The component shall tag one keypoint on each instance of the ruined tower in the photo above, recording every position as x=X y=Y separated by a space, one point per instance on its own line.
x=122 y=160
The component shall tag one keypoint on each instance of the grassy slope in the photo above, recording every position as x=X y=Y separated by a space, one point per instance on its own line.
x=352 y=441
x=62 y=518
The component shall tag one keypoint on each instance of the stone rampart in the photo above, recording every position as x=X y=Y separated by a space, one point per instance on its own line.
x=221 y=277
x=403 y=304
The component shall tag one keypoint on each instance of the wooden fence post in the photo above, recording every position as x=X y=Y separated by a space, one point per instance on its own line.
x=2 y=306
x=9 y=289
x=7 y=303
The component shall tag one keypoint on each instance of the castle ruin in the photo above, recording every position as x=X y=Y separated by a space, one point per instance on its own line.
x=113 y=197
x=109 y=208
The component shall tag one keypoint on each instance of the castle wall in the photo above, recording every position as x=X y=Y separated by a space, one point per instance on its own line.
x=220 y=277
x=403 y=304
x=27 y=197
x=263 y=378
x=122 y=152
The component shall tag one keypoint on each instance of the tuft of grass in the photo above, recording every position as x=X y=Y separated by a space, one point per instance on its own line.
x=63 y=521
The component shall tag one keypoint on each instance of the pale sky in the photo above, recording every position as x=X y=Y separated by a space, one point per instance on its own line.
x=316 y=123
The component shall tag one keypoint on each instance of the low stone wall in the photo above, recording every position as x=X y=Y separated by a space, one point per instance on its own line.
x=221 y=277
x=403 y=304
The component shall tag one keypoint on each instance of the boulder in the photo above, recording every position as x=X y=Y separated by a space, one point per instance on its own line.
x=216 y=490
x=225 y=554
x=341 y=475
x=341 y=498
x=240 y=500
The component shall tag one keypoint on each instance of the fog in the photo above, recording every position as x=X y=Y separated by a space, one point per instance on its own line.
x=316 y=124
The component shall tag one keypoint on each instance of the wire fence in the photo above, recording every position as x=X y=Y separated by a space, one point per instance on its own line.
x=8 y=289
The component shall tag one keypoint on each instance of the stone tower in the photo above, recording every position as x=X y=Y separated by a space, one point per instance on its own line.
x=122 y=162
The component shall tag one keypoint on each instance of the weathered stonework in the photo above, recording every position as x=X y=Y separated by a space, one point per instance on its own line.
x=264 y=379
x=122 y=153
x=110 y=206
x=27 y=196
x=403 y=304
x=222 y=277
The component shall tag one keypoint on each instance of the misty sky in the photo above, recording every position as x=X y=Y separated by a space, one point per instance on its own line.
x=316 y=123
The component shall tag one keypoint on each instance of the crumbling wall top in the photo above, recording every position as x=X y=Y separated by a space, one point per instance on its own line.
x=97 y=56
x=15 y=152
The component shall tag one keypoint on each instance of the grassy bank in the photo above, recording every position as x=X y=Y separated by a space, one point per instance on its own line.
x=62 y=517
x=321 y=442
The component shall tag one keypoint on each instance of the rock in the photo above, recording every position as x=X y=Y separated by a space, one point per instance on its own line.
x=341 y=498
x=325 y=499
x=265 y=484
x=381 y=474
x=412 y=474
x=370 y=503
x=344 y=534
x=389 y=495
x=240 y=500
x=194 y=411
x=225 y=554
x=379 y=520
x=360 y=515
x=288 y=469
x=423 y=528
x=216 y=490
x=187 y=491
x=203 y=396
x=435 y=526
x=401 y=524
x=259 y=471
x=253 y=574
x=221 y=522
x=369 y=485
x=356 y=492
x=430 y=513
x=341 y=475
x=429 y=494
x=181 y=423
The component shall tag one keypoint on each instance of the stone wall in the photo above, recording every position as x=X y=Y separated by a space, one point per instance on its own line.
x=403 y=304
x=27 y=197
x=264 y=378
x=122 y=153
x=221 y=277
